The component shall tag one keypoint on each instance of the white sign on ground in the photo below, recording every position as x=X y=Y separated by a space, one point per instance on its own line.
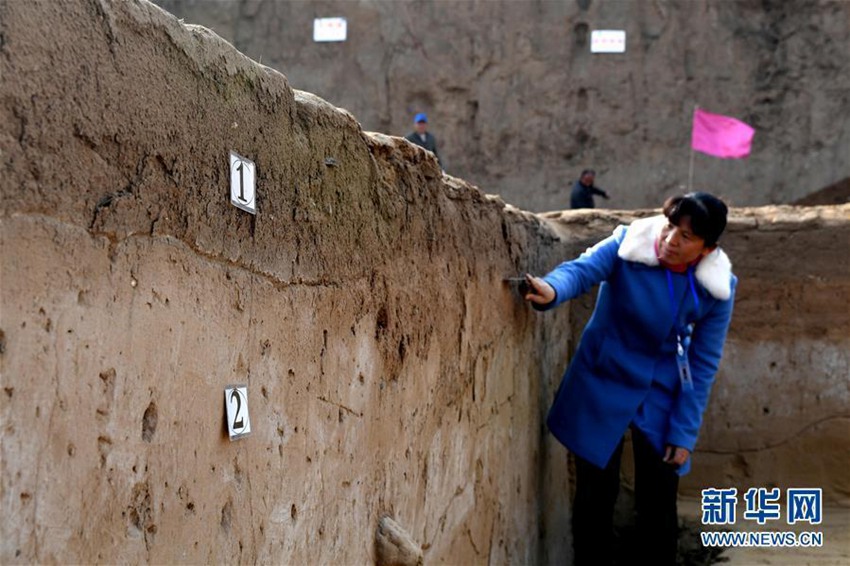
x=238 y=421
x=330 y=29
x=608 y=41
x=243 y=183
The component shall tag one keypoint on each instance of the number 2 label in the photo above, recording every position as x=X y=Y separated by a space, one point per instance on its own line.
x=236 y=401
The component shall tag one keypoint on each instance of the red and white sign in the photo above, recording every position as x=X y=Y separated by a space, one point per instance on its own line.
x=608 y=41
x=330 y=29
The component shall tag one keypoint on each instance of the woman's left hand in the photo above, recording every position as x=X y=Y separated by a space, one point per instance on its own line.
x=676 y=455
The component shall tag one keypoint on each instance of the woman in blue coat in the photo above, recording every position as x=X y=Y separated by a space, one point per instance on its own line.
x=646 y=361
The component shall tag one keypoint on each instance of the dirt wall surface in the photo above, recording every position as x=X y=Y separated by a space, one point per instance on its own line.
x=390 y=370
x=520 y=105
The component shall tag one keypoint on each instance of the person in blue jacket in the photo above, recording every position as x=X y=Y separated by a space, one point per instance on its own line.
x=646 y=361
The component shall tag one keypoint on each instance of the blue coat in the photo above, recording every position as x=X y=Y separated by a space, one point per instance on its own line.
x=624 y=371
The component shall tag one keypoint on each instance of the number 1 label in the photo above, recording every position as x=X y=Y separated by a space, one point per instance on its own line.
x=238 y=421
x=243 y=175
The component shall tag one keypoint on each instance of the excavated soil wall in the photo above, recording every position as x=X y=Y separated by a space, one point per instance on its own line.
x=391 y=371
x=520 y=105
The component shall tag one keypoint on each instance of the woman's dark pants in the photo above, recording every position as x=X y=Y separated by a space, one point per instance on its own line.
x=656 y=485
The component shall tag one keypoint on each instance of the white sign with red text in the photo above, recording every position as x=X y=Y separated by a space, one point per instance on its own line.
x=608 y=41
x=330 y=29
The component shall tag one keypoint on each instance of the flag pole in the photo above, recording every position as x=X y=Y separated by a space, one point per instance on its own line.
x=691 y=171
x=691 y=167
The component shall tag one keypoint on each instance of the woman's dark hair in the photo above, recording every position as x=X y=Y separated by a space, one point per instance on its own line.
x=706 y=212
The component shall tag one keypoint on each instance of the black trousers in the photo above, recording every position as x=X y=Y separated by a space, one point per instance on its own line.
x=656 y=486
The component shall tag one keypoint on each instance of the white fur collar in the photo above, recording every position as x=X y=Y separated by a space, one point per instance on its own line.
x=714 y=271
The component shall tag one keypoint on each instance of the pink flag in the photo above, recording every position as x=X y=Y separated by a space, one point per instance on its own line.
x=721 y=136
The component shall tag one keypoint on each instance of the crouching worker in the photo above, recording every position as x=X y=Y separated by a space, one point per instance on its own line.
x=646 y=361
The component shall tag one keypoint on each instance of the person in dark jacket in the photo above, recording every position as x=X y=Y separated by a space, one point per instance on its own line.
x=583 y=191
x=422 y=137
x=646 y=361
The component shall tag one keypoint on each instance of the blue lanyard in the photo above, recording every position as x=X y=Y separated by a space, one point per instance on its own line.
x=683 y=343
x=673 y=294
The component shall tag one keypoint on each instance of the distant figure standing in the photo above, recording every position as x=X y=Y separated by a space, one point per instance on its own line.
x=583 y=191
x=422 y=137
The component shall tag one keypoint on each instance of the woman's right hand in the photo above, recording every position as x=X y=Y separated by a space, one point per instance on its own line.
x=539 y=292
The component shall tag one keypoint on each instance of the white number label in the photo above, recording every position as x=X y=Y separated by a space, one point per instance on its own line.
x=238 y=421
x=243 y=183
